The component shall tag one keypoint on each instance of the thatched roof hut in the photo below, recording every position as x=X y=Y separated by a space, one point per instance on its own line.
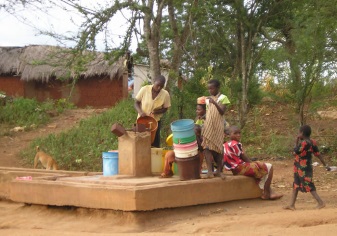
x=41 y=63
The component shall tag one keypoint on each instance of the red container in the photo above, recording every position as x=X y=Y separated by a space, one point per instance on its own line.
x=188 y=168
x=150 y=123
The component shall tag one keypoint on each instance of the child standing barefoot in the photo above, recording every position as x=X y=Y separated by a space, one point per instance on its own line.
x=303 y=171
x=213 y=129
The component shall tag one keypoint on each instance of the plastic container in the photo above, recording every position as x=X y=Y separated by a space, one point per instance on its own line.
x=163 y=157
x=188 y=168
x=110 y=163
x=185 y=147
x=184 y=140
x=186 y=154
x=150 y=123
x=182 y=128
x=24 y=178
x=201 y=100
x=333 y=168
x=175 y=168
x=156 y=160
x=169 y=140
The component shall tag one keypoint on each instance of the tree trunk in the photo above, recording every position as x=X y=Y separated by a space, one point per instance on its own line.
x=180 y=38
x=152 y=36
x=295 y=72
x=244 y=77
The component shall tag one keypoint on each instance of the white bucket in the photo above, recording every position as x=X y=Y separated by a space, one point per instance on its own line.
x=185 y=154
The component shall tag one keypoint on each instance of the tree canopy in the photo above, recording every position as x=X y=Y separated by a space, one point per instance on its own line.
x=242 y=43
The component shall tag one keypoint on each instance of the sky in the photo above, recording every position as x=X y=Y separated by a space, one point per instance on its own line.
x=22 y=28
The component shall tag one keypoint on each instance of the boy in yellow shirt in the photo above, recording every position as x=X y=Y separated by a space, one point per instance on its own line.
x=153 y=100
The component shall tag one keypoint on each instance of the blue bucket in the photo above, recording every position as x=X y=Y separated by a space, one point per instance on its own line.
x=182 y=128
x=110 y=163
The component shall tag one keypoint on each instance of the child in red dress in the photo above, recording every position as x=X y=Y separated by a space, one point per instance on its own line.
x=303 y=171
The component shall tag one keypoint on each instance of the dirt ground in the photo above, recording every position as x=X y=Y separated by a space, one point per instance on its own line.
x=246 y=217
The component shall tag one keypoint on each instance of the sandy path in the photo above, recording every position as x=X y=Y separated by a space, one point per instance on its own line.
x=248 y=217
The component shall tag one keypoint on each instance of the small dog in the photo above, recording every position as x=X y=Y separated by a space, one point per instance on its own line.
x=47 y=161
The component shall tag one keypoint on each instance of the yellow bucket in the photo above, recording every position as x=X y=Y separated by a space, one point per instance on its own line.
x=169 y=140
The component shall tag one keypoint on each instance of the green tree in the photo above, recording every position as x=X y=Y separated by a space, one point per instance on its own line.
x=305 y=32
x=228 y=37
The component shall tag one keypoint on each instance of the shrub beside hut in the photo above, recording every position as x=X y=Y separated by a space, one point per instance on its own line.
x=49 y=72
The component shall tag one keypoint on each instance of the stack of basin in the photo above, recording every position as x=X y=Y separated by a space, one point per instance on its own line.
x=185 y=148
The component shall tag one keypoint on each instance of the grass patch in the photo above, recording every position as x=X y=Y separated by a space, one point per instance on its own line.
x=267 y=140
x=81 y=148
x=271 y=145
x=29 y=113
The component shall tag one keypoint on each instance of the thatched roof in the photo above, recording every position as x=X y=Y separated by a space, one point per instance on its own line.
x=41 y=63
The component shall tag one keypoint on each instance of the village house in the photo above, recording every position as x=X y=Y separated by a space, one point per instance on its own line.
x=50 y=72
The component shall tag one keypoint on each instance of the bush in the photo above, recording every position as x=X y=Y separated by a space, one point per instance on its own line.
x=30 y=113
x=24 y=112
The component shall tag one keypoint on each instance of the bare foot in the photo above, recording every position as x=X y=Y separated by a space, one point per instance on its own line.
x=263 y=197
x=217 y=174
x=163 y=175
x=320 y=206
x=273 y=196
x=292 y=208
x=223 y=176
x=208 y=176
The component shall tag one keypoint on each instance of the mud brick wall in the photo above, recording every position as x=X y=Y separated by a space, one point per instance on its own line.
x=94 y=92
x=42 y=91
x=12 y=86
x=99 y=93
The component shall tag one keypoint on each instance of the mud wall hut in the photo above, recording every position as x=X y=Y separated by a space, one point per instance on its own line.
x=49 y=72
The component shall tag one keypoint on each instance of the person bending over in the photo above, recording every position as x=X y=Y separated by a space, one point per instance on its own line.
x=153 y=100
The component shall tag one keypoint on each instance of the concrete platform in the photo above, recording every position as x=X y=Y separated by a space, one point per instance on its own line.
x=92 y=190
x=7 y=174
